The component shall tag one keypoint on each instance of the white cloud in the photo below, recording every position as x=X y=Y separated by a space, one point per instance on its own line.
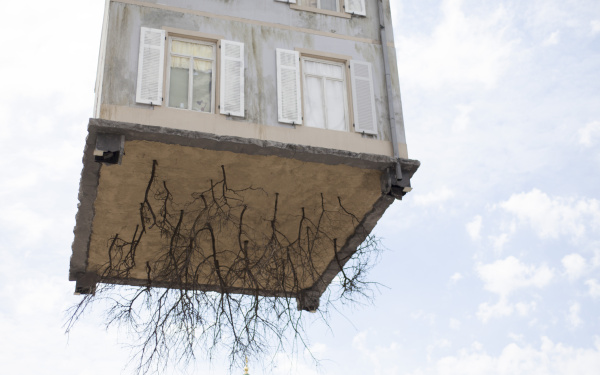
x=504 y=308
x=456 y=277
x=545 y=16
x=551 y=217
x=81 y=48
x=437 y=344
x=20 y=219
x=518 y=359
x=5 y=129
x=435 y=197
x=85 y=40
x=596 y=259
x=552 y=39
x=57 y=353
x=461 y=122
x=573 y=318
x=474 y=228
x=377 y=355
x=594 y=288
x=501 y=309
x=463 y=49
x=422 y=315
x=318 y=349
x=499 y=241
x=524 y=309
x=454 y=324
x=505 y=276
x=575 y=266
x=589 y=134
x=516 y=337
x=284 y=364
x=595 y=25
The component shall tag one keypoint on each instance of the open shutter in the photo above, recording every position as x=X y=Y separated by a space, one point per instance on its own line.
x=355 y=7
x=232 y=78
x=150 y=66
x=289 y=105
x=363 y=97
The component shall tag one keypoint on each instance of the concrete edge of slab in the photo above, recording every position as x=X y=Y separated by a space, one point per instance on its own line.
x=241 y=145
x=88 y=190
x=348 y=249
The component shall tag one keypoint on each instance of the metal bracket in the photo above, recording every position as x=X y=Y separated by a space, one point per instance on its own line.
x=308 y=300
x=109 y=148
x=392 y=185
x=86 y=284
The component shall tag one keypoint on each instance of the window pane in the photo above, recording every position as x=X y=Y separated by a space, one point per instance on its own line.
x=179 y=82
x=202 y=89
x=324 y=4
x=323 y=69
x=311 y=67
x=313 y=103
x=192 y=49
x=329 y=4
x=202 y=50
x=334 y=97
x=183 y=48
x=309 y=3
x=334 y=71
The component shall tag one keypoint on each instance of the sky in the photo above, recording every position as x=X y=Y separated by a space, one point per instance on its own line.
x=493 y=260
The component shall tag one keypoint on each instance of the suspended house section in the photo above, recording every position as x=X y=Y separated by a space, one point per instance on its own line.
x=239 y=147
x=179 y=209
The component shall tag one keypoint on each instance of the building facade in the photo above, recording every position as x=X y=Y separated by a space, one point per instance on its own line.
x=301 y=96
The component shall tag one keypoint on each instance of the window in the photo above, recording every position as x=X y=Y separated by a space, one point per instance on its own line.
x=333 y=5
x=325 y=96
x=324 y=92
x=356 y=7
x=338 y=8
x=191 y=72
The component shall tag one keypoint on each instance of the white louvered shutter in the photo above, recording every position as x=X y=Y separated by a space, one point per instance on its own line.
x=150 y=66
x=363 y=97
x=289 y=104
x=232 y=78
x=355 y=7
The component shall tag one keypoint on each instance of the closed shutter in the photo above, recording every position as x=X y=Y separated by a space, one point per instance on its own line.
x=150 y=66
x=355 y=7
x=289 y=105
x=363 y=97
x=287 y=1
x=232 y=78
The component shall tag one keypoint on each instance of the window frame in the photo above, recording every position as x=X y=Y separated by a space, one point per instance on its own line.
x=339 y=5
x=214 y=78
x=345 y=84
x=336 y=13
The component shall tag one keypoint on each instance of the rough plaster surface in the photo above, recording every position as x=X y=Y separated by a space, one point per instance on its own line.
x=188 y=170
x=263 y=26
